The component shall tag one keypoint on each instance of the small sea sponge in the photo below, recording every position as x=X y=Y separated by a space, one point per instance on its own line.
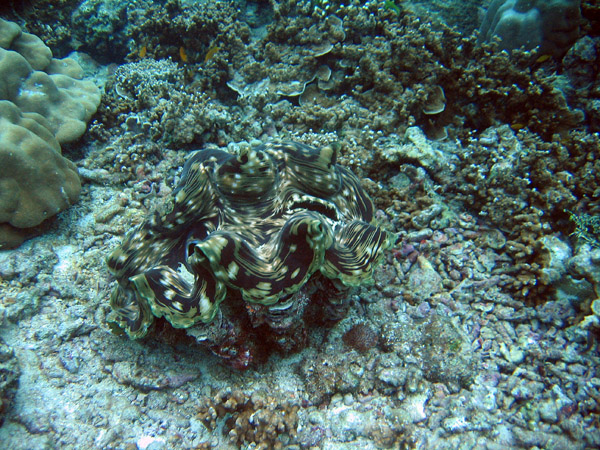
x=256 y=225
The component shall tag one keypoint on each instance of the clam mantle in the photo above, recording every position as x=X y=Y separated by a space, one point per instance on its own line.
x=250 y=229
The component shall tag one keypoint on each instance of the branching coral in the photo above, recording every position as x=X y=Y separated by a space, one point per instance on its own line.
x=523 y=186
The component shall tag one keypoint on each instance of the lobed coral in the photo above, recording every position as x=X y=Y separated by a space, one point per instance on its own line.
x=258 y=225
x=43 y=103
x=38 y=83
x=37 y=182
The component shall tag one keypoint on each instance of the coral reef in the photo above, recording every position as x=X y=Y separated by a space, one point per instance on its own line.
x=459 y=14
x=388 y=86
x=584 y=82
x=153 y=97
x=259 y=224
x=306 y=71
x=44 y=103
x=481 y=326
x=470 y=89
x=512 y=181
x=527 y=195
x=101 y=26
x=114 y=31
x=50 y=20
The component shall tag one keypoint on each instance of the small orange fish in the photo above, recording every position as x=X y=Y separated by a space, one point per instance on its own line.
x=543 y=58
x=142 y=52
x=211 y=52
x=517 y=126
x=183 y=55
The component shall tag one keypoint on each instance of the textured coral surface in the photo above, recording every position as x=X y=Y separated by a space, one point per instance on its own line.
x=44 y=103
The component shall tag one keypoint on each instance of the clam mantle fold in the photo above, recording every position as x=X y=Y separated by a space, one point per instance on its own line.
x=255 y=226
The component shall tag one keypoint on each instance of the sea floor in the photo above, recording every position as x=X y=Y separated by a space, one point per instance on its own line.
x=458 y=362
x=460 y=342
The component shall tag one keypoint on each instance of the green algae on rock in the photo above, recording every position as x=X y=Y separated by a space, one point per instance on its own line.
x=258 y=224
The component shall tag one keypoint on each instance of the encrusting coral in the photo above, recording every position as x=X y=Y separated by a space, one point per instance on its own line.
x=258 y=225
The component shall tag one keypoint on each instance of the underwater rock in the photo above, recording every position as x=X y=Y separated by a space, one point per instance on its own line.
x=553 y=25
x=585 y=264
x=436 y=345
x=557 y=254
x=579 y=61
x=432 y=156
x=423 y=278
x=9 y=377
x=253 y=229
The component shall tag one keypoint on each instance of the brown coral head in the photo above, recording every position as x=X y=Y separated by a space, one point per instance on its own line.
x=361 y=337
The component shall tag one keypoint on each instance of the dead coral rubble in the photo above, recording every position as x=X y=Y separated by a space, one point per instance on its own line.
x=524 y=186
x=260 y=420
